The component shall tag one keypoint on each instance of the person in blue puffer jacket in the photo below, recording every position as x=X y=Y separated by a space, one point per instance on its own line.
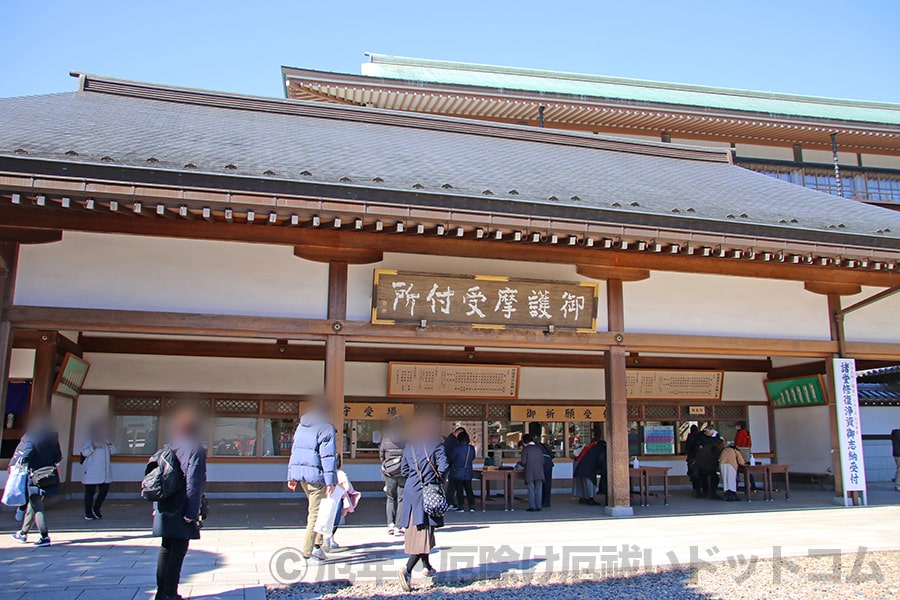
x=312 y=464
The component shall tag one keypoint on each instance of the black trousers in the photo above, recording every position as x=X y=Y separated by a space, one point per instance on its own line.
x=709 y=480
x=548 y=486
x=457 y=487
x=168 y=567
x=92 y=505
x=393 y=487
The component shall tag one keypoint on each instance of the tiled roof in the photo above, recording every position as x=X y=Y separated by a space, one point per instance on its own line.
x=639 y=90
x=477 y=164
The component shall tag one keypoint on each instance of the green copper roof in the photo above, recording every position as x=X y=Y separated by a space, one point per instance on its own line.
x=618 y=88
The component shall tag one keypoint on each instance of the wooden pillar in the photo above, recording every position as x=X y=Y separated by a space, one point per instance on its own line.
x=335 y=345
x=834 y=305
x=616 y=408
x=9 y=260
x=44 y=372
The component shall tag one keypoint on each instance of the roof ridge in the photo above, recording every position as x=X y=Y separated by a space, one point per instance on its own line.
x=148 y=91
x=627 y=81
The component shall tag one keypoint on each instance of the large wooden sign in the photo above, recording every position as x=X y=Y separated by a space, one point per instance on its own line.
x=645 y=384
x=433 y=380
x=557 y=414
x=483 y=301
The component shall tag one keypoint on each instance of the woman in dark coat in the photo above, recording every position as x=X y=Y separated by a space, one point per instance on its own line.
x=39 y=448
x=590 y=463
x=461 y=472
x=177 y=519
x=424 y=463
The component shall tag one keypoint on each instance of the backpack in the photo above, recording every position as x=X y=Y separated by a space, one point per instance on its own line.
x=163 y=477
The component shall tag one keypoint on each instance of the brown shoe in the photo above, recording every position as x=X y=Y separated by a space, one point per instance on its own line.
x=404 y=580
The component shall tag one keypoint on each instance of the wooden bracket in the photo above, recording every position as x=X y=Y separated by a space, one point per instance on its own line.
x=327 y=254
x=605 y=272
x=832 y=287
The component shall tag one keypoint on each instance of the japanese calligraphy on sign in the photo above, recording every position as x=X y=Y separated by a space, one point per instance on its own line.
x=651 y=384
x=800 y=391
x=438 y=380
x=557 y=414
x=846 y=403
x=482 y=301
x=377 y=411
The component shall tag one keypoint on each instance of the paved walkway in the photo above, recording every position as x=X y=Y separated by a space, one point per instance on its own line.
x=115 y=558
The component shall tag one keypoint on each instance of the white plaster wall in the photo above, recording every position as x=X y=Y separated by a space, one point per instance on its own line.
x=803 y=438
x=692 y=304
x=877 y=322
x=87 y=270
x=365 y=379
x=203 y=374
x=539 y=383
x=826 y=157
x=21 y=365
x=743 y=387
x=359 y=283
x=758 y=423
x=881 y=160
x=878 y=454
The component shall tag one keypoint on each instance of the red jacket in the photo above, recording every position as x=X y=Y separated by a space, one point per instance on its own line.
x=742 y=439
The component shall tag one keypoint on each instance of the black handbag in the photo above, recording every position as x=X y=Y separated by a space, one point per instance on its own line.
x=434 y=502
x=45 y=477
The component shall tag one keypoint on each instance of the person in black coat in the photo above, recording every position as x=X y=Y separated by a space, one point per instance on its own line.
x=177 y=519
x=895 y=446
x=39 y=448
x=591 y=463
x=424 y=463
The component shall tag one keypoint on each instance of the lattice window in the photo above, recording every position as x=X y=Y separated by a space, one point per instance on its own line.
x=498 y=411
x=686 y=412
x=133 y=404
x=464 y=411
x=281 y=407
x=635 y=412
x=236 y=406
x=202 y=403
x=660 y=411
x=723 y=411
x=421 y=408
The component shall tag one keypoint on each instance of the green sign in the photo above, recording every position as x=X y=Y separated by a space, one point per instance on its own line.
x=802 y=391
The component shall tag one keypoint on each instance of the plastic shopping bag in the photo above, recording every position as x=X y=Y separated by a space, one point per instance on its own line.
x=15 y=493
x=328 y=508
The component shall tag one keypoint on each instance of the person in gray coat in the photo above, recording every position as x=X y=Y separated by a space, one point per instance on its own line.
x=96 y=469
x=533 y=463
x=312 y=464
x=177 y=519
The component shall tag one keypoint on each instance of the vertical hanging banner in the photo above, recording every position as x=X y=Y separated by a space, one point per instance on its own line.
x=853 y=469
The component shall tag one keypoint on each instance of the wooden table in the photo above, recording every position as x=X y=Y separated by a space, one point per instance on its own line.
x=643 y=475
x=494 y=475
x=749 y=470
x=770 y=470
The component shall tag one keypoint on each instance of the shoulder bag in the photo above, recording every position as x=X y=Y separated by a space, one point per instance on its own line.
x=433 y=500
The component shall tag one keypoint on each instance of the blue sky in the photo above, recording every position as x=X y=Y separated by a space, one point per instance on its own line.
x=830 y=48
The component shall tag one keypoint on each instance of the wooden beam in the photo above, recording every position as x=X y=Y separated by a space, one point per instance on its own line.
x=336 y=345
x=169 y=323
x=44 y=373
x=619 y=273
x=387 y=353
x=9 y=253
x=818 y=368
x=352 y=256
x=29 y=236
x=432 y=245
x=619 y=486
x=832 y=287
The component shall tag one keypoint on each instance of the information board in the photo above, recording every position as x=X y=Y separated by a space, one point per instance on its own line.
x=799 y=391
x=853 y=468
x=439 y=380
x=659 y=439
x=646 y=384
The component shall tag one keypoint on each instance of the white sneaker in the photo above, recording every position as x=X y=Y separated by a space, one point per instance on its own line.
x=391 y=529
x=319 y=554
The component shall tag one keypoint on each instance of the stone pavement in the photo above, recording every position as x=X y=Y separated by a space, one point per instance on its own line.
x=115 y=558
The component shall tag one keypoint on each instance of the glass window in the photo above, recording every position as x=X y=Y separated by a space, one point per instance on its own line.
x=503 y=441
x=234 y=436
x=136 y=434
x=368 y=437
x=278 y=436
x=579 y=435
